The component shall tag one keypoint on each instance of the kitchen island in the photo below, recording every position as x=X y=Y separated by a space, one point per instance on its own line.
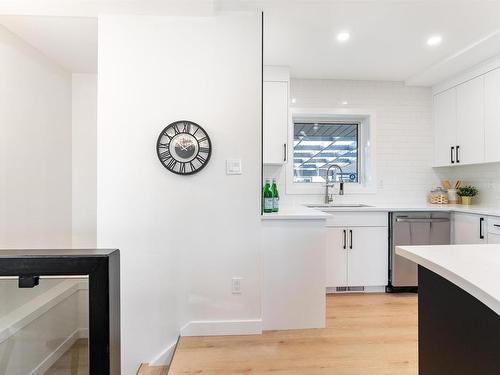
x=459 y=308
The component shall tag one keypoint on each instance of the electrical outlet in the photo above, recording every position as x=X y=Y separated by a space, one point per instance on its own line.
x=236 y=285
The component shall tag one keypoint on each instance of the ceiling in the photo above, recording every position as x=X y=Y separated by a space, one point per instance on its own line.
x=388 y=37
x=71 y=42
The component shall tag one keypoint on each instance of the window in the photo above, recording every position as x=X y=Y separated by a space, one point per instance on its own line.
x=318 y=145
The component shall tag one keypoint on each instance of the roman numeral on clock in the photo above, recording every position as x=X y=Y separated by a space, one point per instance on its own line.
x=202 y=139
x=201 y=159
x=165 y=155
x=171 y=164
x=205 y=150
x=182 y=167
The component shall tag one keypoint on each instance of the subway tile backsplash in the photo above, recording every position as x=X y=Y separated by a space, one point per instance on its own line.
x=404 y=136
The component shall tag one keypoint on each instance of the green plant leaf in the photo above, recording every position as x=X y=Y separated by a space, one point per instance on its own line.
x=467 y=191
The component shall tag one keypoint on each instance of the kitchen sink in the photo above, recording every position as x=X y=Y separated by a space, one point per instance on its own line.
x=337 y=205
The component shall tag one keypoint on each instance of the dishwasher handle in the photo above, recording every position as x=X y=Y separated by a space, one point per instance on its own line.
x=421 y=220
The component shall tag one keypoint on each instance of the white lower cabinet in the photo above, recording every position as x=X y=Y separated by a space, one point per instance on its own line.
x=357 y=255
x=336 y=257
x=469 y=229
x=367 y=259
x=494 y=230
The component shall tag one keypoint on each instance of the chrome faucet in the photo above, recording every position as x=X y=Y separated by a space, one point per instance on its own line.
x=328 y=195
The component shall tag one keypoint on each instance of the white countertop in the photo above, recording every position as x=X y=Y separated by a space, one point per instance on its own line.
x=474 y=268
x=296 y=213
x=473 y=209
x=301 y=212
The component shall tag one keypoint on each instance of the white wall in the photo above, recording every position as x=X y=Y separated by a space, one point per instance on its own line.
x=84 y=160
x=35 y=148
x=182 y=238
x=404 y=136
x=486 y=177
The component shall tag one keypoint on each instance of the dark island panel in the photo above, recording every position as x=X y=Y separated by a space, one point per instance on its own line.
x=458 y=334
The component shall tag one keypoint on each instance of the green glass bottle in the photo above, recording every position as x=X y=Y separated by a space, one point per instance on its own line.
x=268 y=197
x=276 y=196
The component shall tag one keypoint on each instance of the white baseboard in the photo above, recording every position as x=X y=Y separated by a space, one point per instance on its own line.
x=222 y=327
x=52 y=358
x=165 y=357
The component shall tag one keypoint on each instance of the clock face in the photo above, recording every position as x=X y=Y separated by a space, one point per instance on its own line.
x=184 y=147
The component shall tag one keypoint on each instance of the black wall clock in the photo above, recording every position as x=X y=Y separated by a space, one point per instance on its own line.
x=184 y=147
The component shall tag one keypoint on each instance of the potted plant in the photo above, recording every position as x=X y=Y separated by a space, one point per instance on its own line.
x=467 y=193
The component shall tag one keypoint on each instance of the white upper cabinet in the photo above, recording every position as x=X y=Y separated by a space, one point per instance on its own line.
x=462 y=115
x=467 y=120
x=492 y=115
x=470 y=122
x=445 y=127
x=275 y=115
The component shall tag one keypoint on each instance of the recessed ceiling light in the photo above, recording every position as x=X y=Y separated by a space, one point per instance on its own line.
x=343 y=36
x=294 y=100
x=434 y=40
x=345 y=102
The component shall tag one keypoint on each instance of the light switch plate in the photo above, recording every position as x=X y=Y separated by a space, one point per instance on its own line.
x=233 y=166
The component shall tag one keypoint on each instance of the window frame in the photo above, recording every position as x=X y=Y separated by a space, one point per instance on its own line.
x=366 y=118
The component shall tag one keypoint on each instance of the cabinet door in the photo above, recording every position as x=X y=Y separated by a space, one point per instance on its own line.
x=368 y=256
x=336 y=257
x=275 y=122
x=470 y=121
x=469 y=229
x=493 y=230
x=492 y=115
x=445 y=131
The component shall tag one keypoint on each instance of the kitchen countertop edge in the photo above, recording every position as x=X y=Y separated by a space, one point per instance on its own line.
x=302 y=212
x=452 y=263
x=296 y=213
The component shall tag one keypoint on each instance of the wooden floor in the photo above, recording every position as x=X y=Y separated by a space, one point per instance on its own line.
x=75 y=361
x=156 y=370
x=366 y=334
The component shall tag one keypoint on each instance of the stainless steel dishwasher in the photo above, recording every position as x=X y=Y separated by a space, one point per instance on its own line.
x=412 y=229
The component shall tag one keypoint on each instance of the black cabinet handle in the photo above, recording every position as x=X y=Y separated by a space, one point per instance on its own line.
x=458 y=155
x=481 y=221
x=451 y=156
x=345 y=239
x=350 y=244
x=284 y=151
